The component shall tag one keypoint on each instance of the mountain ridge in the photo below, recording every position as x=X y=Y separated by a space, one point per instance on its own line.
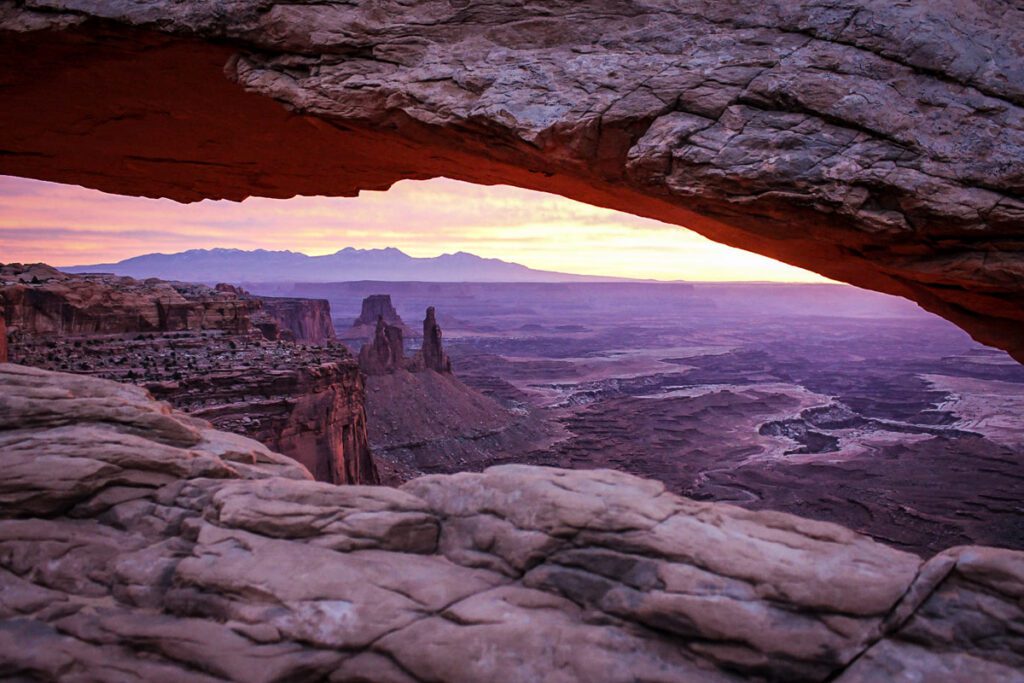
x=347 y=264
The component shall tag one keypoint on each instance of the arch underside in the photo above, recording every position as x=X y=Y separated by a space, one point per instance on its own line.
x=853 y=140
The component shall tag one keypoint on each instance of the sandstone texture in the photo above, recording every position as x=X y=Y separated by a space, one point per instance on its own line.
x=311 y=412
x=221 y=354
x=303 y=320
x=385 y=352
x=877 y=143
x=136 y=543
x=40 y=300
x=431 y=355
x=375 y=308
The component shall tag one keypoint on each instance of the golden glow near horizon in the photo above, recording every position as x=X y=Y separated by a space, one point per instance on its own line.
x=66 y=225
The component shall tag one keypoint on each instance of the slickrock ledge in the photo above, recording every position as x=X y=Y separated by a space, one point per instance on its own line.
x=137 y=544
x=877 y=143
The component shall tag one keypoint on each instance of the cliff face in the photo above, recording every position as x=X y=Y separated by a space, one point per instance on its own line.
x=307 y=321
x=314 y=414
x=39 y=300
x=139 y=544
x=875 y=143
x=385 y=352
x=199 y=349
x=377 y=306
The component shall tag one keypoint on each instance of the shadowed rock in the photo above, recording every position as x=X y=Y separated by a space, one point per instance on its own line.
x=138 y=544
x=385 y=352
x=204 y=350
x=431 y=355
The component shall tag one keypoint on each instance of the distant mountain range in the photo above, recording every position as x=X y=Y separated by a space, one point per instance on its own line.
x=349 y=264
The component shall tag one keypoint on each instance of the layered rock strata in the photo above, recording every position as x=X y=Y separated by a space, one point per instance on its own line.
x=375 y=307
x=304 y=401
x=877 y=143
x=307 y=321
x=314 y=413
x=136 y=543
x=39 y=300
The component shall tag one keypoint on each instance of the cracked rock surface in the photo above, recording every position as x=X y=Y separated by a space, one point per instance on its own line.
x=138 y=544
x=878 y=143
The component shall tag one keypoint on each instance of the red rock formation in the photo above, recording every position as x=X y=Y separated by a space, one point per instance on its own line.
x=198 y=349
x=307 y=321
x=385 y=352
x=41 y=300
x=314 y=414
x=732 y=119
x=432 y=355
x=376 y=307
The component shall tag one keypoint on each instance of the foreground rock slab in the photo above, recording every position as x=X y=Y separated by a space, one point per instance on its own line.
x=138 y=544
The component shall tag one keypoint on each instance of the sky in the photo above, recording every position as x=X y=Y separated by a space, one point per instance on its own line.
x=66 y=225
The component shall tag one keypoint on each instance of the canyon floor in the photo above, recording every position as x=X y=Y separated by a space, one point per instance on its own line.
x=825 y=401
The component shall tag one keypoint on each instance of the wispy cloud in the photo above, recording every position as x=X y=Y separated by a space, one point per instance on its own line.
x=68 y=225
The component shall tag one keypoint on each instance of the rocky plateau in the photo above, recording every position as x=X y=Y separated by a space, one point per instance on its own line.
x=220 y=353
x=137 y=543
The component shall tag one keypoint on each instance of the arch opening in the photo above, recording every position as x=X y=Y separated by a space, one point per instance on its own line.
x=113 y=106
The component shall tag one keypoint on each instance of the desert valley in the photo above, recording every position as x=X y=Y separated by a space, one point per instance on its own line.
x=820 y=400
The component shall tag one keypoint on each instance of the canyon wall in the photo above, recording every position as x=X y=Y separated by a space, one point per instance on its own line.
x=880 y=144
x=314 y=414
x=203 y=350
x=307 y=321
x=139 y=544
x=40 y=300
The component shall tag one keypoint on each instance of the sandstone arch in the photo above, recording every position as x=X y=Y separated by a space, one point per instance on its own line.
x=875 y=143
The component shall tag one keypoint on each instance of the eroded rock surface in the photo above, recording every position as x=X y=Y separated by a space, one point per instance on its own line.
x=880 y=144
x=303 y=320
x=138 y=544
x=218 y=353
x=385 y=352
x=431 y=355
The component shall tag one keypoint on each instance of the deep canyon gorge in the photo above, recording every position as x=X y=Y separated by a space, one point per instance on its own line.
x=411 y=482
